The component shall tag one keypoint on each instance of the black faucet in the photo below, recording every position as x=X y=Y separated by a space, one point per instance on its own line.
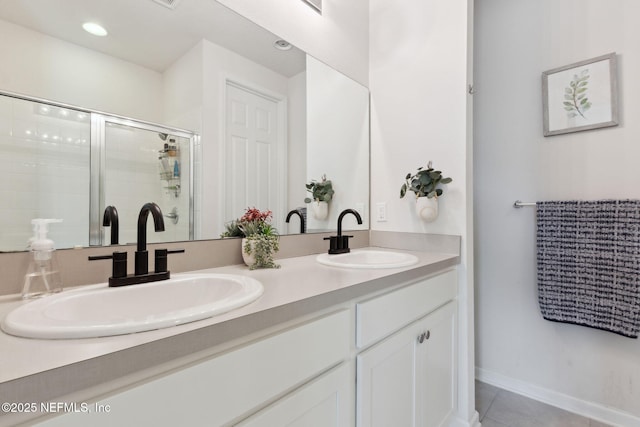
x=302 y=224
x=119 y=275
x=340 y=244
x=110 y=219
x=142 y=256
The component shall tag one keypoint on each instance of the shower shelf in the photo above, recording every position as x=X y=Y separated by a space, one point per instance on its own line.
x=169 y=165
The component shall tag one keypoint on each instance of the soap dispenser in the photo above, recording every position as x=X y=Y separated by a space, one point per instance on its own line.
x=43 y=276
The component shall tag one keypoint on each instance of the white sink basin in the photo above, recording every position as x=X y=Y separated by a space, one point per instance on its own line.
x=97 y=310
x=366 y=258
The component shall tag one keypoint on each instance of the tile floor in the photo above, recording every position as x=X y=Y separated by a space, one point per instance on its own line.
x=502 y=408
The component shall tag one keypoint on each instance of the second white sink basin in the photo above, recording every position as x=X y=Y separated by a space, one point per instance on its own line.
x=368 y=258
x=97 y=310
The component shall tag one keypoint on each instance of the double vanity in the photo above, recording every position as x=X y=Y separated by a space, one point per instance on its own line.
x=335 y=340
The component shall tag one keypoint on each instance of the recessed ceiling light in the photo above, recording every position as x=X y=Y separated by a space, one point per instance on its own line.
x=282 y=44
x=95 y=29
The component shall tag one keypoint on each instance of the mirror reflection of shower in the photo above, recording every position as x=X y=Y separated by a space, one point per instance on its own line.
x=153 y=164
x=76 y=163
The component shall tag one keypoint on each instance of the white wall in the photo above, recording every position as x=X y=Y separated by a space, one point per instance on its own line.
x=182 y=91
x=46 y=67
x=338 y=37
x=419 y=61
x=516 y=40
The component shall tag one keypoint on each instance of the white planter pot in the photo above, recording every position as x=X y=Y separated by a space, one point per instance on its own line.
x=320 y=210
x=427 y=208
x=248 y=259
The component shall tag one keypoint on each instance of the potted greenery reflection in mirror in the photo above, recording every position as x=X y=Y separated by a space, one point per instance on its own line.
x=321 y=194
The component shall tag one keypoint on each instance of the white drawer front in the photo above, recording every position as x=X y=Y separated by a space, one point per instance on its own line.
x=327 y=401
x=381 y=316
x=219 y=390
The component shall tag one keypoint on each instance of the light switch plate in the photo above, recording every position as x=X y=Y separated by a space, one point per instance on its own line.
x=381 y=212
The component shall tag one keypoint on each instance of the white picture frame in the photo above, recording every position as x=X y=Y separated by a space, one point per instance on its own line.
x=580 y=96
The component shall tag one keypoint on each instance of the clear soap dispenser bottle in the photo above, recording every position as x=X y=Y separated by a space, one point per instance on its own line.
x=43 y=276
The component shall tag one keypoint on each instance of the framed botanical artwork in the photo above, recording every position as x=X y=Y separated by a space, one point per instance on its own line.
x=580 y=96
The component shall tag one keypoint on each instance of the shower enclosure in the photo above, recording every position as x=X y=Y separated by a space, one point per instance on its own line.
x=71 y=163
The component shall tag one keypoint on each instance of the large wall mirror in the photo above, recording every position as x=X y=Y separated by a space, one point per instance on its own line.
x=184 y=103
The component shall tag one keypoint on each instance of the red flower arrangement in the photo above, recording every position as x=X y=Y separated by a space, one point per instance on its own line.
x=254 y=221
x=253 y=214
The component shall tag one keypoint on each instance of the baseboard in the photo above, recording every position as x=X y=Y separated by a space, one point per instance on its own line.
x=459 y=422
x=585 y=408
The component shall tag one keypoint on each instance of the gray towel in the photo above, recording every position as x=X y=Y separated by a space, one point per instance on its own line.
x=589 y=263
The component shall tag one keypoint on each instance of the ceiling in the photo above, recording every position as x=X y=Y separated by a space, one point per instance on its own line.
x=150 y=34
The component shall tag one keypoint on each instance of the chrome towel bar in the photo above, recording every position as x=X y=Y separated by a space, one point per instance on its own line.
x=519 y=204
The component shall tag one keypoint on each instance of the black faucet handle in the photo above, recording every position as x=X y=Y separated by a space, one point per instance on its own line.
x=160 y=257
x=343 y=244
x=100 y=257
x=119 y=266
x=333 y=243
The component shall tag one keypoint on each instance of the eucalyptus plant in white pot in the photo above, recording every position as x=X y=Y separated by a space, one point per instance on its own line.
x=425 y=184
x=321 y=194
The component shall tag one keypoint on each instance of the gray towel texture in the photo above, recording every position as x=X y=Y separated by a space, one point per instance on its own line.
x=589 y=263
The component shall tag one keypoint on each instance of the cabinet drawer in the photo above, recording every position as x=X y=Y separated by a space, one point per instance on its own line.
x=325 y=402
x=219 y=390
x=381 y=316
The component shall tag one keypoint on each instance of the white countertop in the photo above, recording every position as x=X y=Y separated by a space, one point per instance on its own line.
x=301 y=285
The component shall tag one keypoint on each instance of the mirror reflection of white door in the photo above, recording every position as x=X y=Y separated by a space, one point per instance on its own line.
x=255 y=153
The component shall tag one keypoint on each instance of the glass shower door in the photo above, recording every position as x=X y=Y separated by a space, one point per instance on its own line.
x=146 y=163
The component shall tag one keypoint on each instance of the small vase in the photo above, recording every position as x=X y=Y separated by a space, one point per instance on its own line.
x=248 y=259
x=427 y=208
x=320 y=210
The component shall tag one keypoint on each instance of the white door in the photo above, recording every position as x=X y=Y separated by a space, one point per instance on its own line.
x=254 y=152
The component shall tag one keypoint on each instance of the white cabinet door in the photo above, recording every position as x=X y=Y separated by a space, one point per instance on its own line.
x=385 y=390
x=435 y=368
x=325 y=402
x=408 y=378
